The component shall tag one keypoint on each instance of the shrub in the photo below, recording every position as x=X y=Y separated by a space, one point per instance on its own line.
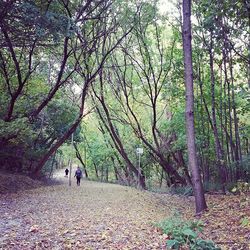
x=241 y=187
x=185 y=234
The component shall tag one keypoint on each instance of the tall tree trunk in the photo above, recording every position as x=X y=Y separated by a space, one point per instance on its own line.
x=225 y=128
x=218 y=147
x=238 y=156
x=200 y=201
x=229 y=102
x=205 y=134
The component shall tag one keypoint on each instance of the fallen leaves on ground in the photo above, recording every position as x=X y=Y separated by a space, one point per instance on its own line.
x=92 y=216
x=108 y=216
x=223 y=222
x=15 y=182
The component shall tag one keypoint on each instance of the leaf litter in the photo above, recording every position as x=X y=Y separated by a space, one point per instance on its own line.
x=109 y=216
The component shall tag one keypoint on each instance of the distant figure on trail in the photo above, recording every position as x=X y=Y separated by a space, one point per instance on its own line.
x=78 y=175
x=66 y=172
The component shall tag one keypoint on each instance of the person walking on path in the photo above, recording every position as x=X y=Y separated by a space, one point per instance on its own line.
x=78 y=175
x=66 y=172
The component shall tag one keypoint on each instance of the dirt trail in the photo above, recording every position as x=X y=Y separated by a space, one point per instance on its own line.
x=92 y=216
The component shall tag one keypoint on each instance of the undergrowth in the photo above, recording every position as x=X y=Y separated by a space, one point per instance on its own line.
x=184 y=234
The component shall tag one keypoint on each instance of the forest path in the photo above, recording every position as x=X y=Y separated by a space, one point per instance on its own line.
x=91 y=216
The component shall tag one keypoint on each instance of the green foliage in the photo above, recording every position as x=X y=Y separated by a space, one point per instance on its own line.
x=185 y=234
x=25 y=141
x=241 y=187
x=60 y=115
x=146 y=67
x=19 y=130
x=245 y=222
x=52 y=22
x=242 y=166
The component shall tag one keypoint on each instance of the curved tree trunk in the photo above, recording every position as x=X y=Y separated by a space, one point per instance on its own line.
x=117 y=142
x=78 y=156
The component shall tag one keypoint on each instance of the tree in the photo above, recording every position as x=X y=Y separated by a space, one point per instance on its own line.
x=190 y=130
x=81 y=36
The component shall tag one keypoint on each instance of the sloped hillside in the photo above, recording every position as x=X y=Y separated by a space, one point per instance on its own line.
x=10 y=183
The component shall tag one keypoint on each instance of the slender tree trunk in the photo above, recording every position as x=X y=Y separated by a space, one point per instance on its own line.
x=238 y=156
x=116 y=172
x=205 y=134
x=247 y=6
x=200 y=201
x=102 y=173
x=114 y=135
x=221 y=107
x=52 y=165
x=78 y=156
x=161 y=178
x=96 y=171
x=247 y=146
x=218 y=147
x=106 y=173
x=118 y=144
x=229 y=102
x=225 y=128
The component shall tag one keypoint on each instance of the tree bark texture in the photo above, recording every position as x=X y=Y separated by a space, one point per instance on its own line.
x=200 y=201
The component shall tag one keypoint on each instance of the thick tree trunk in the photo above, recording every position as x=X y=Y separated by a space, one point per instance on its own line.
x=179 y=159
x=200 y=201
x=53 y=149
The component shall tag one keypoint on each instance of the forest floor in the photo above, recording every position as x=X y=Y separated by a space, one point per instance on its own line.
x=108 y=216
